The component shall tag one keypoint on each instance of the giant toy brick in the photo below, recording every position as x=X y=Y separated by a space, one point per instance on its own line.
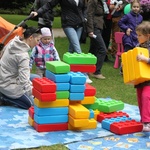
x=58 y=78
x=88 y=100
x=82 y=68
x=31 y=112
x=63 y=86
x=102 y=116
x=89 y=90
x=75 y=58
x=91 y=125
x=45 y=97
x=135 y=72
x=62 y=94
x=56 y=103
x=57 y=67
x=78 y=111
x=126 y=127
x=76 y=96
x=30 y=121
x=50 y=127
x=107 y=122
x=79 y=88
x=44 y=85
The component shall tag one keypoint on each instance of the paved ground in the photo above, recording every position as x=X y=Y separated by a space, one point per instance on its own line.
x=59 y=32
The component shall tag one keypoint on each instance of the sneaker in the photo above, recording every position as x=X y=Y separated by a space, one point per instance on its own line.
x=146 y=127
x=88 y=80
x=97 y=76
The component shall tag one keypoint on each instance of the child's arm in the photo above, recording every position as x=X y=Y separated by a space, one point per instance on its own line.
x=56 y=55
x=141 y=57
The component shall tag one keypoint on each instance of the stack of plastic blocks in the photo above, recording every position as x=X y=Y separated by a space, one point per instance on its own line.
x=84 y=63
x=48 y=113
x=135 y=72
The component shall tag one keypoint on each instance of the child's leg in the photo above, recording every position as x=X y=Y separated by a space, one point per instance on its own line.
x=139 y=99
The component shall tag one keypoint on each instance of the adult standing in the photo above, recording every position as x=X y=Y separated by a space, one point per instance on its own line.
x=95 y=13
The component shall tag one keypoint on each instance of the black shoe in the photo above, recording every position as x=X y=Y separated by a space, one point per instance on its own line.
x=1 y=100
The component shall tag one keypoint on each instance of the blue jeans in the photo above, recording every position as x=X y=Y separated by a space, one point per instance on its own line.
x=73 y=35
x=24 y=101
x=32 y=76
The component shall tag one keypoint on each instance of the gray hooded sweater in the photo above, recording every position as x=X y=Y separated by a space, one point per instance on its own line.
x=14 y=69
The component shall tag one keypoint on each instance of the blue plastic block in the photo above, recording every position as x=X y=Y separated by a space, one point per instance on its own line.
x=77 y=88
x=62 y=86
x=51 y=111
x=50 y=119
x=91 y=114
x=76 y=96
x=63 y=78
x=77 y=78
x=107 y=122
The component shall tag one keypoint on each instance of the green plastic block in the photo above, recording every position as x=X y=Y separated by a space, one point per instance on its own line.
x=57 y=67
x=62 y=94
x=110 y=105
x=93 y=106
x=82 y=58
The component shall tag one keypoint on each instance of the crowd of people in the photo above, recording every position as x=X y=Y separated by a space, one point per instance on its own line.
x=16 y=64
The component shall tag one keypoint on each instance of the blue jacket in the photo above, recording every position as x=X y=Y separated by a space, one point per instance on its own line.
x=130 y=20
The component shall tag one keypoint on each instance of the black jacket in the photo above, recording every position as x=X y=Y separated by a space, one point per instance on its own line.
x=71 y=14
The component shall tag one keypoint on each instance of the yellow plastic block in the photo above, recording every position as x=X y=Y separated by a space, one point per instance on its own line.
x=88 y=100
x=96 y=112
x=78 y=111
x=57 y=103
x=92 y=125
x=78 y=122
x=135 y=72
x=30 y=121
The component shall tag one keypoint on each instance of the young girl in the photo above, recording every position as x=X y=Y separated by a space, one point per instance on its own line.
x=128 y=24
x=44 y=51
x=143 y=89
x=15 y=84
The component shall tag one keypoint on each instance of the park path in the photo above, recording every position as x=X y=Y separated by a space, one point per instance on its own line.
x=58 y=32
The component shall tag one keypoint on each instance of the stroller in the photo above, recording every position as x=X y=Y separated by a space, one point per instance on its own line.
x=8 y=31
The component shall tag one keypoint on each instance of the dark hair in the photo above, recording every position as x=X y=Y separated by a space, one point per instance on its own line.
x=31 y=31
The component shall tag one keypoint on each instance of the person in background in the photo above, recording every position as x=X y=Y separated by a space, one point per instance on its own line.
x=95 y=13
x=73 y=14
x=128 y=24
x=143 y=89
x=44 y=51
x=15 y=84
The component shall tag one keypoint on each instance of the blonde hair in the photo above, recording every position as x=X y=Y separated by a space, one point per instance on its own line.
x=144 y=28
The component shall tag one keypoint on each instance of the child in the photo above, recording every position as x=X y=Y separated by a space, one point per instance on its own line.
x=15 y=84
x=143 y=89
x=44 y=51
x=128 y=25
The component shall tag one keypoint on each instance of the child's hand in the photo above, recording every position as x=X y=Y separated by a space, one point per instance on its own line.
x=128 y=31
x=141 y=57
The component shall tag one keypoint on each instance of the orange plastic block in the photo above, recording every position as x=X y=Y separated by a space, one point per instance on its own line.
x=45 y=97
x=102 y=116
x=78 y=111
x=126 y=127
x=96 y=112
x=31 y=112
x=50 y=127
x=89 y=90
x=44 y=85
x=56 y=103
x=92 y=125
x=30 y=121
x=88 y=100
x=135 y=72
x=82 y=68
x=78 y=122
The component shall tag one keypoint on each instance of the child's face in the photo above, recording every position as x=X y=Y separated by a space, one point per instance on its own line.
x=136 y=7
x=46 y=39
x=142 y=38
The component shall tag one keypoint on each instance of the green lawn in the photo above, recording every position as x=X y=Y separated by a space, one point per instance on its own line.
x=112 y=87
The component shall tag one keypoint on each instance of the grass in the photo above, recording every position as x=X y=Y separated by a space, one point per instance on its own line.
x=112 y=87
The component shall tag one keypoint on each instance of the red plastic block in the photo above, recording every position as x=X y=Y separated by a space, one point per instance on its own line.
x=44 y=85
x=102 y=116
x=31 y=112
x=89 y=90
x=44 y=97
x=126 y=127
x=50 y=127
x=82 y=68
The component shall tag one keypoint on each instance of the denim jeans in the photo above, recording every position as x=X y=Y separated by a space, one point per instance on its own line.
x=32 y=76
x=73 y=35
